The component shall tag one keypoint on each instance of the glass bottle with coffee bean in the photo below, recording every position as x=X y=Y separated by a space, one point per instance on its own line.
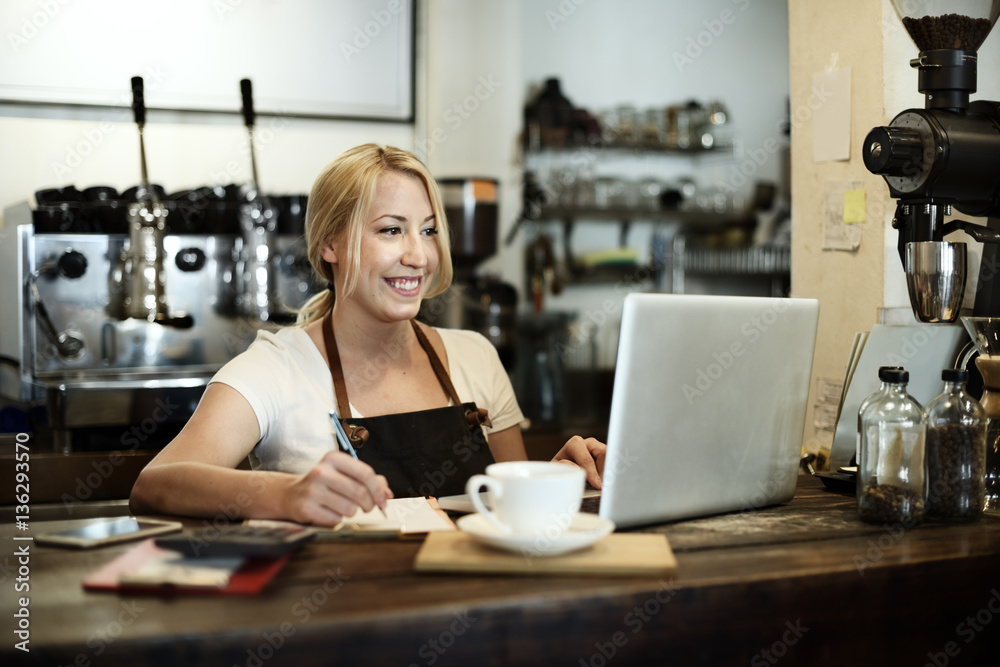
x=868 y=400
x=892 y=480
x=956 y=451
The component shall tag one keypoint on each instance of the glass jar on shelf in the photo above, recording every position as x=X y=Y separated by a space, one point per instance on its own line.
x=654 y=130
x=956 y=451
x=629 y=127
x=892 y=480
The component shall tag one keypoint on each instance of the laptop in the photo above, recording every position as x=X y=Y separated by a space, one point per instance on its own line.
x=708 y=405
x=707 y=409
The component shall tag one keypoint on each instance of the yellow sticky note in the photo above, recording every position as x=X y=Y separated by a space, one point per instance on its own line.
x=854 y=206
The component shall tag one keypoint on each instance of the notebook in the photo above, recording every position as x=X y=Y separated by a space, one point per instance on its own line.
x=403 y=517
x=708 y=405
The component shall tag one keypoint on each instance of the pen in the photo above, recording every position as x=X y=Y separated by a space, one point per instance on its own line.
x=345 y=444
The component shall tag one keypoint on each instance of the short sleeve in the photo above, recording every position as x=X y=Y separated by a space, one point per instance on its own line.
x=479 y=376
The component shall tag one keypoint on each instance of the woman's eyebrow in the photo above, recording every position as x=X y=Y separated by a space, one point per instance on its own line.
x=403 y=218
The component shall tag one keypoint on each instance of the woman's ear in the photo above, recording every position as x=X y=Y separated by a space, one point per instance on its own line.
x=329 y=253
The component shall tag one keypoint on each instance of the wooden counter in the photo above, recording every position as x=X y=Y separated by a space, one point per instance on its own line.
x=802 y=583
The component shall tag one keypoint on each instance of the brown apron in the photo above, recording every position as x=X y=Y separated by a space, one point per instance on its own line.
x=424 y=453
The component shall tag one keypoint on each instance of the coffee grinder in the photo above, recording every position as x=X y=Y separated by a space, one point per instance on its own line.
x=941 y=159
x=944 y=158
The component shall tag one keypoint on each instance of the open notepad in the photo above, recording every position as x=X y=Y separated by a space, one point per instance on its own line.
x=403 y=517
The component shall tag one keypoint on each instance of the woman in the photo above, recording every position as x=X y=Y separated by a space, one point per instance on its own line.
x=376 y=232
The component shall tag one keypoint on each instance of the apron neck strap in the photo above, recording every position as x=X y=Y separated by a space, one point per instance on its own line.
x=337 y=370
x=439 y=369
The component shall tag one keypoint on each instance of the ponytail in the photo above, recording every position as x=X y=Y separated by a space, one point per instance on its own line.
x=315 y=308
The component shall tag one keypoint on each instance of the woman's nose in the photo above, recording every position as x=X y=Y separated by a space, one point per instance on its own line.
x=415 y=254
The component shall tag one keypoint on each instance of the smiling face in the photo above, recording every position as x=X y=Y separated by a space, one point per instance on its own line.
x=399 y=252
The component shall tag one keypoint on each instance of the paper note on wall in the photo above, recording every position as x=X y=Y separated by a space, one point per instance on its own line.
x=837 y=205
x=826 y=408
x=854 y=206
x=830 y=102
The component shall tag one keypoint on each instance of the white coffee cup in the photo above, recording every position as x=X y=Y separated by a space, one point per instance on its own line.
x=529 y=497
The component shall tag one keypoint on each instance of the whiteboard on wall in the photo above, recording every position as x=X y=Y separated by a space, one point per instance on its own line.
x=321 y=58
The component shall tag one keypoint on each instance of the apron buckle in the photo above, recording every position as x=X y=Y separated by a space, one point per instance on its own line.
x=478 y=417
x=358 y=435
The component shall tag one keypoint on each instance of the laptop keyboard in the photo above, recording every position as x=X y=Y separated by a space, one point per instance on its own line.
x=591 y=505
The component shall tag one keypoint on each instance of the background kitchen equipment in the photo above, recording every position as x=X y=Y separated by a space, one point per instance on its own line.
x=947 y=155
x=138 y=288
x=89 y=275
x=985 y=335
x=935 y=160
x=551 y=120
x=99 y=374
x=480 y=303
x=256 y=260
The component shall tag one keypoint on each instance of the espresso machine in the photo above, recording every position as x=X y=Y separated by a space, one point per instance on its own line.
x=119 y=307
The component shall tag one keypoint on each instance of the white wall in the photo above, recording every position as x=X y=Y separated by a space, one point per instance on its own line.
x=49 y=146
x=103 y=149
x=473 y=106
x=469 y=95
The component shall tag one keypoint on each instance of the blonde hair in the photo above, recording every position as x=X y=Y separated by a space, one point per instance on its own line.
x=339 y=204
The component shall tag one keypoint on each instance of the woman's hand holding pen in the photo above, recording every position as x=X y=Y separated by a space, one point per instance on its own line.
x=588 y=453
x=335 y=488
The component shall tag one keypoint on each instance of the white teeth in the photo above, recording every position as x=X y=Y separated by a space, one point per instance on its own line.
x=405 y=285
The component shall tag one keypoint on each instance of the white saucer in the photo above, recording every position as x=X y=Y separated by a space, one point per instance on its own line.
x=585 y=530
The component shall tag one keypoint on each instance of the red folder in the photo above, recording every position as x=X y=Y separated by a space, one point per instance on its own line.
x=249 y=579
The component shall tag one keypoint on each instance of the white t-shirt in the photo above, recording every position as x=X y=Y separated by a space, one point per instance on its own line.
x=287 y=383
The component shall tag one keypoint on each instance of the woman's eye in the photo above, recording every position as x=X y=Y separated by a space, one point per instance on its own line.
x=430 y=231
x=391 y=231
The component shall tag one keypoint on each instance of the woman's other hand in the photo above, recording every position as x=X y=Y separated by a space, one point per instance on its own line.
x=588 y=453
x=334 y=489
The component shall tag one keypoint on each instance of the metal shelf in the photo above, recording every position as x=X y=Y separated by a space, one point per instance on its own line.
x=637 y=148
x=700 y=219
x=763 y=260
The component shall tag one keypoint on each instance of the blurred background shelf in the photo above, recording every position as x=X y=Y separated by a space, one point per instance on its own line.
x=704 y=219
x=762 y=260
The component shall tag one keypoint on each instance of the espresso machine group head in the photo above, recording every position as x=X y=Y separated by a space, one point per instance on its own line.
x=138 y=284
x=944 y=158
x=256 y=270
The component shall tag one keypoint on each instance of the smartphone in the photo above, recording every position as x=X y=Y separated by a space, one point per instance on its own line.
x=108 y=531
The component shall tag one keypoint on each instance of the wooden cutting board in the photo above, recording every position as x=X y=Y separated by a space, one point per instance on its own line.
x=620 y=554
